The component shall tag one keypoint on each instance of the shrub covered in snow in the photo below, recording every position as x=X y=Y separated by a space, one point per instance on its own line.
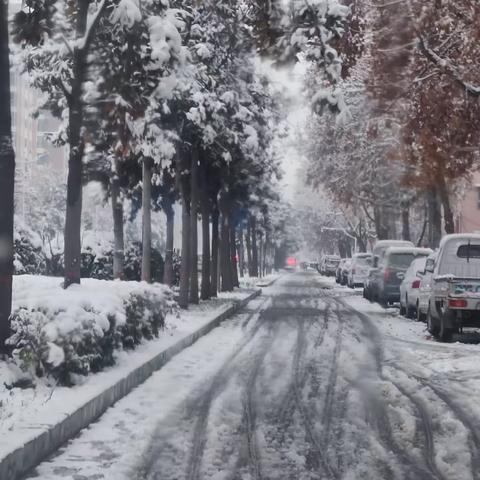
x=97 y=259
x=133 y=263
x=66 y=334
x=28 y=251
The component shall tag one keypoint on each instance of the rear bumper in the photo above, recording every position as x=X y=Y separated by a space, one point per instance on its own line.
x=359 y=279
x=392 y=293
x=463 y=318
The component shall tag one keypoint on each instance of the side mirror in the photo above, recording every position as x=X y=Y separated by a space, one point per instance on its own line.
x=429 y=267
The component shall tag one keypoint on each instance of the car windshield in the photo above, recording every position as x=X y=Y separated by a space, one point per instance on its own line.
x=361 y=261
x=401 y=260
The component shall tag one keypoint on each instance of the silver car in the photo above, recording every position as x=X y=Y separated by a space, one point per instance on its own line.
x=425 y=288
x=359 y=269
x=410 y=288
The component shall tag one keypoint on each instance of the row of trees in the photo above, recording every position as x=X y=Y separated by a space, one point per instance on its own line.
x=411 y=133
x=163 y=102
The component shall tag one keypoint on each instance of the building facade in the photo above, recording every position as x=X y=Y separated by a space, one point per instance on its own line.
x=468 y=216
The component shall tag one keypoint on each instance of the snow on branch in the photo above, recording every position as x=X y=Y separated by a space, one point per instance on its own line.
x=92 y=23
x=446 y=67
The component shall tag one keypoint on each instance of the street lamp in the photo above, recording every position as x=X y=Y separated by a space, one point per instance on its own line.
x=338 y=229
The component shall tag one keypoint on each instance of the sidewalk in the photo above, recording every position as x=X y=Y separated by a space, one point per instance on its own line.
x=34 y=423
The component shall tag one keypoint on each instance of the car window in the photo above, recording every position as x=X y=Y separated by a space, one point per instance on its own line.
x=401 y=260
x=468 y=251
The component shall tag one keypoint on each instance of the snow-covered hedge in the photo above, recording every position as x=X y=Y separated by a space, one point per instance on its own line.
x=133 y=263
x=66 y=334
x=28 y=253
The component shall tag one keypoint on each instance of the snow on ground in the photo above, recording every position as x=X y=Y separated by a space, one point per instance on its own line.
x=106 y=446
x=310 y=382
x=24 y=412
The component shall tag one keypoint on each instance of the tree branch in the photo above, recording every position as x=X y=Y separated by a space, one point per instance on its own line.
x=446 y=67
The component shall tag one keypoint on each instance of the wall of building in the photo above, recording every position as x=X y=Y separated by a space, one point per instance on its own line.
x=468 y=217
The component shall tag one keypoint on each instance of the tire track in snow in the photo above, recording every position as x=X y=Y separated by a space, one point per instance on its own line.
x=469 y=423
x=197 y=407
x=253 y=458
x=317 y=448
x=381 y=420
x=219 y=381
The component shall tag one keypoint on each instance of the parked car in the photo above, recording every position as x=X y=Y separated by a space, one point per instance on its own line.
x=454 y=300
x=396 y=261
x=373 y=278
x=360 y=266
x=345 y=270
x=329 y=264
x=425 y=287
x=410 y=288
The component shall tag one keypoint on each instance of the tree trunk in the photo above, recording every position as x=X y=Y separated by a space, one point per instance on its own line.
x=265 y=252
x=193 y=227
x=233 y=254
x=249 y=249
x=424 y=227
x=146 y=220
x=448 y=218
x=215 y=247
x=380 y=227
x=254 y=247
x=73 y=218
x=118 y=236
x=185 y=263
x=225 y=261
x=7 y=183
x=260 y=255
x=206 y=261
x=434 y=219
x=406 y=223
x=168 y=269
x=241 y=253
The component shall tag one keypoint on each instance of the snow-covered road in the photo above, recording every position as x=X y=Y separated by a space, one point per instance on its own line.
x=309 y=382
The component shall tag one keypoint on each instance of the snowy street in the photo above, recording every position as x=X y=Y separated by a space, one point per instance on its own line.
x=310 y=381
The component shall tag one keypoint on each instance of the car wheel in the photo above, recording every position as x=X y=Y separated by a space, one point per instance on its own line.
x=445 y=333
x=421 y=317
x=431 y=327
x=383 y=301
x=403 y=310
x=410 y=310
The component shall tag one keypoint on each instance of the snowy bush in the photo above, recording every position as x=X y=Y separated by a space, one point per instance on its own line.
x=133 y=263
x=97 y=259
x=29 y=256
x=67 y=334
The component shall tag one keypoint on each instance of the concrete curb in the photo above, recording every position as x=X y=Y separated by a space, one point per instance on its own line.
x=25 y=458
x=270 y=282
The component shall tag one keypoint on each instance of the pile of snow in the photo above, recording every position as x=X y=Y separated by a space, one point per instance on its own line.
x=68 y=333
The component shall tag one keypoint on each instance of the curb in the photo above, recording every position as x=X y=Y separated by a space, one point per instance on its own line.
x=267 y=284
x=25 y=458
